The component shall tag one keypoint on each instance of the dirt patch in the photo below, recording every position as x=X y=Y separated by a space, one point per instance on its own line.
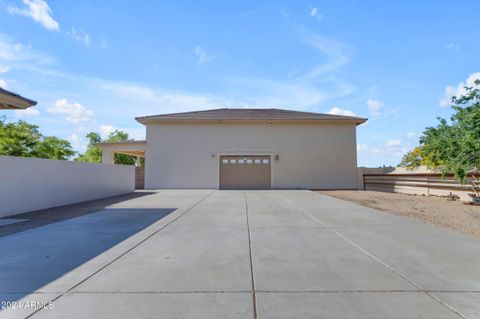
x=438 y=211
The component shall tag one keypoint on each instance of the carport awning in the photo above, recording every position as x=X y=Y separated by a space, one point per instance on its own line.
x=135 y=148
x=134 y=153
x=13 y=101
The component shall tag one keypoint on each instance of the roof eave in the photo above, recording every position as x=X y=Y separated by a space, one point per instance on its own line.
x=151 y=120
x=361 y=120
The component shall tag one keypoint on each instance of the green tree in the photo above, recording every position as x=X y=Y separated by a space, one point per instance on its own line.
x=25 y=140
x=94 y=153
x=120 y=136
x=452 y=146
x=413 y=159
x=53 y=147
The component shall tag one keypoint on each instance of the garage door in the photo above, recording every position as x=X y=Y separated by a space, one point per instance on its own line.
x=245 y=172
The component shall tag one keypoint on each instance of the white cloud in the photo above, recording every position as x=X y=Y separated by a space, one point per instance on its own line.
x=362 y=147
x=410 y=135
x=202 y=55
x=10 y=51
x=389 y=152
x=259 y=92
x=78 y=143
x=4 y=69
x=315 y=13
x=308 y=89
x=127 y=89
x=453 y=47
x=335 y=51
x=338 y=111
x=3 y=83
x=392 y=143
x=322 y=78
x=166 y=100
x=238 y=92
x=103 y=44
x=248 y=92
x=296 y=93
x=375 y=107
x=29 y=112
x=79 y=36
x=132 y=99
x=459 y=90
x=15 y=55
x=73 y=112
x=137 y=133
x=38 y=10
x=106 y=129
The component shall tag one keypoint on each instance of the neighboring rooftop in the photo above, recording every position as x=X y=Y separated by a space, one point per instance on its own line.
x=13 y=101
x=248 y=114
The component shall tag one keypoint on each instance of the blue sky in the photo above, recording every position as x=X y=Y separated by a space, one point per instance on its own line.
x=94 y=66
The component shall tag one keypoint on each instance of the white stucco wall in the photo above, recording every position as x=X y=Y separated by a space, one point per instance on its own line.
x=311 y=156
x=28 y=184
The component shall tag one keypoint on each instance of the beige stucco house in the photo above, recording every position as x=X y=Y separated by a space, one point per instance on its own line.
x=246 y=149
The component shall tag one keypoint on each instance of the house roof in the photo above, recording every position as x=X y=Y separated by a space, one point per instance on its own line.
x=248 y=114
x=13 y=101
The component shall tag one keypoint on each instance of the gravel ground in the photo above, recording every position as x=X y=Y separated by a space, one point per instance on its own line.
x=453 y=215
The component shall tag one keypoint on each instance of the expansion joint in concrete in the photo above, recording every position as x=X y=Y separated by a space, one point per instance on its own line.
x=254 y=294
x=123 y=254
x=391 y=268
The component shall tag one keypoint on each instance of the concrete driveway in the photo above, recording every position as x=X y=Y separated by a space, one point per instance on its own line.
x=236 y=254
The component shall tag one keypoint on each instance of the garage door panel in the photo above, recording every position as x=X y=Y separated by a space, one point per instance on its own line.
x=245 y=172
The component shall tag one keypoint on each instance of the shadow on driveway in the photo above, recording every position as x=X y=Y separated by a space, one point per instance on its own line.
x=52 y=215
x=33 y=258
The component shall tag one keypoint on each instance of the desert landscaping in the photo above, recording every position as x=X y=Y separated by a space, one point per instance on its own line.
x=451 y=214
